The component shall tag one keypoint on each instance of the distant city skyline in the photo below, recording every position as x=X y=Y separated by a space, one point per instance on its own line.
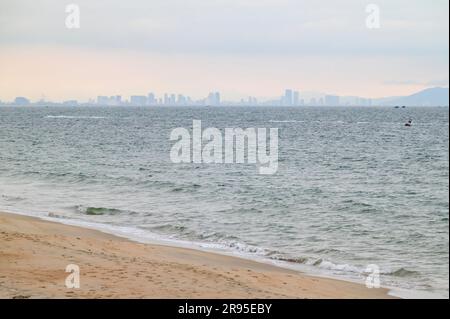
x=436 y=96
x=242 y=48
x=290 y=97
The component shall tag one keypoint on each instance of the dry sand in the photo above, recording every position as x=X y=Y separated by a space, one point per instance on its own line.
x=34 y=254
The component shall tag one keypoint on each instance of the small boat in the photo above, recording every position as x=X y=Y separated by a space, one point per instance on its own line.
x=409 y=123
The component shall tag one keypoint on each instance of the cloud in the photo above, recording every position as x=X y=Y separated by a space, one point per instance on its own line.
x=254 y=46
x=438 y=83
x=232 y=27
x=419 y=83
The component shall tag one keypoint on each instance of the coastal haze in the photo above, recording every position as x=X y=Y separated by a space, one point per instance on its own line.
x=90 y=94
x=241 y=48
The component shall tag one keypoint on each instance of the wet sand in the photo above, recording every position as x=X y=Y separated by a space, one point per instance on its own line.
x=34 y=254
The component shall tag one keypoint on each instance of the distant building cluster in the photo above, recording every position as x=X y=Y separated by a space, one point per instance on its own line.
x=294 y=98
x=289 y=98
x=436 y=96
x=151 y=99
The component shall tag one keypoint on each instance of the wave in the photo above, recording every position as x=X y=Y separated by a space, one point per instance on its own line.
x=298 y=260
x=401 y=272
x=96 y=211
x=241 y=247
x=73 y=117
x=186 y=188
x=335 y=267
x=220 y=242
x=346 y=268
x=285 y=121
x=206 y=239
x=172 y=231
x=57 y=216
x=324 y=264
x=12 y=198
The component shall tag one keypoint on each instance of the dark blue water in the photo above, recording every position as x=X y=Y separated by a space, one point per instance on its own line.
x=354 y=185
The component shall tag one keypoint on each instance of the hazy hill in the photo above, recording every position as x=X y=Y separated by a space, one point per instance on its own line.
x=429 y=97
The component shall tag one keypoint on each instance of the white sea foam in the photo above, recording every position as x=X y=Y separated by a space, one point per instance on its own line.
x=286 y=121
x=73 y=117
x=235 y=249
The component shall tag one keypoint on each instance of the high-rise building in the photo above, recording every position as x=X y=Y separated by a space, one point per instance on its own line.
x=181 y=100
x=213 y=99
x=114 y=100
x=70 y=103
x=173 y=99
x=166 y=99
x=331 y=100
x=151 y=100
x=102 y=100
x=296 y=98
x=287 y=98
x=20 y=100
x=138 y=100
x=210 y=99
x=217 y=98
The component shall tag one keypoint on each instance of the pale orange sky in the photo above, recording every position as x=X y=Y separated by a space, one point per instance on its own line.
x=64 y=73
x=238 y=47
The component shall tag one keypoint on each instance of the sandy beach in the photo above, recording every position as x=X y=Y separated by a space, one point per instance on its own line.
x=34 y=255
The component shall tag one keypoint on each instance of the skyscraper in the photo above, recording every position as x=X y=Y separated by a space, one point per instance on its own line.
x=102 y=100
x=173 y=99
x=213 y=99
x=151 y=99
x=181 y=100
x=20 y=100
x=331 y=100
x=70 y=103
x=296 y=100
x=288 y=97
x=217 y=98
x=166 y=99
x=138 y=100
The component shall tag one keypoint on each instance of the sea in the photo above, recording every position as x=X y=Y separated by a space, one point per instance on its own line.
x=356 y=192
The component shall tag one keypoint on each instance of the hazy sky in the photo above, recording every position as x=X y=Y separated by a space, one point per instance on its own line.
x=240 y=47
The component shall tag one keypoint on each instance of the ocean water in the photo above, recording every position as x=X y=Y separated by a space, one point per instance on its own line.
x=354 y=186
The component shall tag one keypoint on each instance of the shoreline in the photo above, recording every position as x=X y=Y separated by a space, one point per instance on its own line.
x=35 y=253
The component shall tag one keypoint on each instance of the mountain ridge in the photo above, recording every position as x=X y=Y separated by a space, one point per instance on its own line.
x=435 y=96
